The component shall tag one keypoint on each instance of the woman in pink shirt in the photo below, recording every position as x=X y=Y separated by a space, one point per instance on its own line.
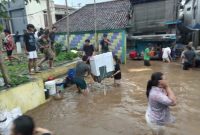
x=160 y=97
x=9 y=45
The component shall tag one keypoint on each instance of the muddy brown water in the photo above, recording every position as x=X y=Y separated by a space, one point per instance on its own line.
x=121 y=111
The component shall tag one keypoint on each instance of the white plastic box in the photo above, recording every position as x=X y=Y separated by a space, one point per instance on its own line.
x=101 y=60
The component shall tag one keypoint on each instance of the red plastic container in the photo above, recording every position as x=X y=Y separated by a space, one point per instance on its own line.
x=133 y=54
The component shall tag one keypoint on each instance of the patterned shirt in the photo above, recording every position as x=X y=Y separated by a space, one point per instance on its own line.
x=9 y=43
x=158 y=107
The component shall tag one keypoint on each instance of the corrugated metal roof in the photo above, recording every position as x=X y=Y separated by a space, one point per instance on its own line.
x=142 y=1
x=110 y=15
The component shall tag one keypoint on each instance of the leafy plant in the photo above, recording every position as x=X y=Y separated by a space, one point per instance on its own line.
x=63 y=56
x=58 y=48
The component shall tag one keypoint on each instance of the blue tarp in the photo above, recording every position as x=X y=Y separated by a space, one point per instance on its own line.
x=173 y=22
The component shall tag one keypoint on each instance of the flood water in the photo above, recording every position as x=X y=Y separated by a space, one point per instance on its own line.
x=121 y=111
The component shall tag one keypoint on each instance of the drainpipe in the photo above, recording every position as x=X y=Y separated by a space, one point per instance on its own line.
x=68 y=45
x=95 y=24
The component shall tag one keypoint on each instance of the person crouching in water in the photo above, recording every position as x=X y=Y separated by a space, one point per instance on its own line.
x=82 y=68
x=45 y=47
x=25 y=125
x=117 y=73
x=160 y=97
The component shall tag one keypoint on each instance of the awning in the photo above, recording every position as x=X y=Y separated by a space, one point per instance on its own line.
x=194 y=27
x=160 y=37
x=172 y=22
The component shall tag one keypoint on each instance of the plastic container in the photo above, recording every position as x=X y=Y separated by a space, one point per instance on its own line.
x=46 y=93
x=2 y=83
x=51 y=86
x=133 y=54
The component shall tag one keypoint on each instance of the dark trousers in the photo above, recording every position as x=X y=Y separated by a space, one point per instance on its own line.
x=197 y=63
x=186 y=65
x=147 y=63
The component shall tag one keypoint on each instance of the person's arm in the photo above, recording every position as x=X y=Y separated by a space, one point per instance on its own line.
x=170 y=94
x=83 y=50
x=42 y=131
x=117 y=69
x=116 y=73
x=100 y=46
x=108 y=41
x=25 y=44
x=93 y=53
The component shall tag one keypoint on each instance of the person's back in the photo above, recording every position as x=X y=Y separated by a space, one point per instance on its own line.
x=88 y=49
x=146 y=54
x=189 y=56
x=166 y=52
x=30 y=41
x=81 y=69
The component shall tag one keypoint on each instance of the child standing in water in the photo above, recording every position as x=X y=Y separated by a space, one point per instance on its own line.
x=117 y=71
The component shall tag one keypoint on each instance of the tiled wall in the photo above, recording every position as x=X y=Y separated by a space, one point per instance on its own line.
x=117 y=39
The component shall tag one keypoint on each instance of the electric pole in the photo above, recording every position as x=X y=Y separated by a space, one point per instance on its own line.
x=95 y=24
x=68 y=45
x=49 y=14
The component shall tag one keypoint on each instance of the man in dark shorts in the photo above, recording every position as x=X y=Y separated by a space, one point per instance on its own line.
x=30 y=48
x=24 y=125
x=81 y=69
x=105 y=42
x=88 y=48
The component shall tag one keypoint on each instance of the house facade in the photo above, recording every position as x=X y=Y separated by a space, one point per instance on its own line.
x=191 y=13
x=111 y=18
x=60 y=11
x=190 y=28
x=22 y=13
x=153 y=16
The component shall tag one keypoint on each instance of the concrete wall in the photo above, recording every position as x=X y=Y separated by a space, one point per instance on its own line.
x=118 y=40
x=31 y=95
x=27 y=96
x=36 y=14
x=18 y=16
x=151 y=16
x=189 y=19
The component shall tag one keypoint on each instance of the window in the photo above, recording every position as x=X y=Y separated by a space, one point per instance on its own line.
x=194 y=12
x=188 y=9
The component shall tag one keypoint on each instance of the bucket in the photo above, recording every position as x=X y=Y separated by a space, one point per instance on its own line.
x=59 y=86
x=46 y=93
x=51 y=86
x=2 y=83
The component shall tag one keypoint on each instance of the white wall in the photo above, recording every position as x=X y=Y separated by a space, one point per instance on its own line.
x=35 y=13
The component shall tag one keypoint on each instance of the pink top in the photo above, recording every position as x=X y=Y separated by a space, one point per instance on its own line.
x=158 y=107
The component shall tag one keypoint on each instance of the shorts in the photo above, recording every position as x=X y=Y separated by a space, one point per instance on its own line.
x=9 y=53
x=156 y=129
x=166 y=59
x=80 y=83
x=32 y=55
x=48 y=54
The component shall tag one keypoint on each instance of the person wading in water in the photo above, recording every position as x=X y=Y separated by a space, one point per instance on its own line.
x=160 y=97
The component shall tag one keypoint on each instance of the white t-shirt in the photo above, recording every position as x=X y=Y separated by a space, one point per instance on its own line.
x=166 y=52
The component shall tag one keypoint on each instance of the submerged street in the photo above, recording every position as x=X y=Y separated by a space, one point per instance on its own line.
x=121 y=111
